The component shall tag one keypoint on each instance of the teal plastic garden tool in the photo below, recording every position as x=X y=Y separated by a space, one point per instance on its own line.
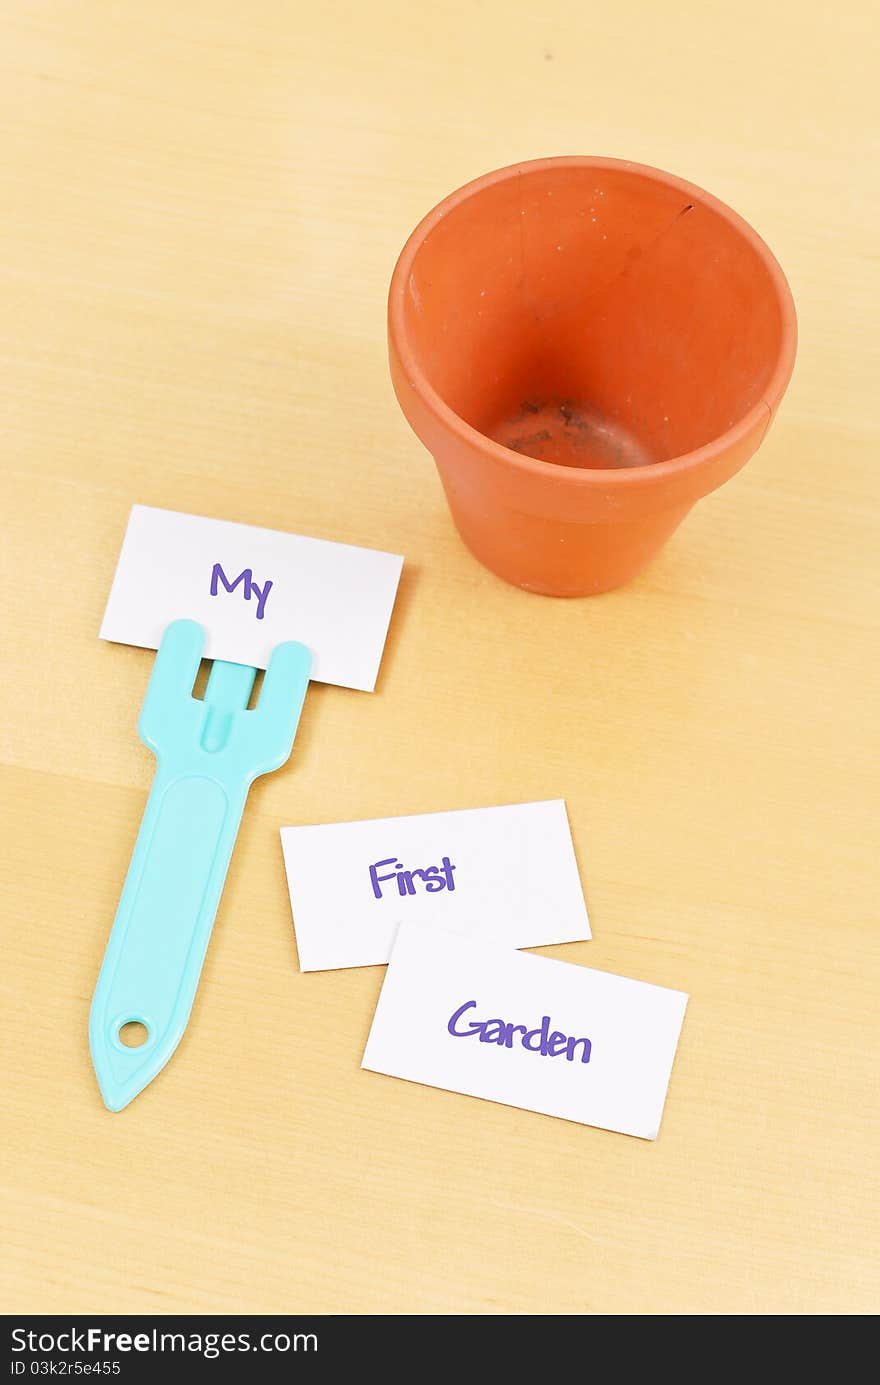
x=208 y=754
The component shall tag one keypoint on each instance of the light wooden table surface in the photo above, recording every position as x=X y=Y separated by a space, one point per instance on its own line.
x=202 y=208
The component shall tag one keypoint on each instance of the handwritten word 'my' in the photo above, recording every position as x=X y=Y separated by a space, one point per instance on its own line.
x=249 y=586
x=434 y=878
x=539 y=1040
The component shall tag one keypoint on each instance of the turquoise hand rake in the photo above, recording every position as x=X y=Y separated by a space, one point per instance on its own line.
x=208 y=755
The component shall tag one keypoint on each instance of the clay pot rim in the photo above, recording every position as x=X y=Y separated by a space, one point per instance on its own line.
x=592 y=476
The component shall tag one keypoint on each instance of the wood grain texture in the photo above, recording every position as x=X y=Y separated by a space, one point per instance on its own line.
x=203 y=205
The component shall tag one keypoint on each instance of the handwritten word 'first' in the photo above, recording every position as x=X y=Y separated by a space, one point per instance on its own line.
x=434 y=878
x=249 y=586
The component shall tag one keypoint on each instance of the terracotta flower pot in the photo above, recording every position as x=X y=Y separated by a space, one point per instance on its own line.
x=587 y=346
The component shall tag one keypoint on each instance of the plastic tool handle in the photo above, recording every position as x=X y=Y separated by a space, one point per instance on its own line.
x=209 y=753
x=163 y=925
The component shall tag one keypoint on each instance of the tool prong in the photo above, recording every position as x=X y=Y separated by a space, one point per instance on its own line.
x=273 y=723
x=168 y=705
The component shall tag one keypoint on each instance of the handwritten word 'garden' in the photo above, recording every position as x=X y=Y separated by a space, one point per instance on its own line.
x=501 y=1032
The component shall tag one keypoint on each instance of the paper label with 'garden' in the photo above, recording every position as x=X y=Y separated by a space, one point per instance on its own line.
x=526 y=1031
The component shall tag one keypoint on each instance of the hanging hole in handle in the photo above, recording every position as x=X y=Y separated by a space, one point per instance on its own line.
x=133 y=1034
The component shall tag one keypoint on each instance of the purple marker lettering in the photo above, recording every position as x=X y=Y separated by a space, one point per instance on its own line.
x=246 y=577
x=448 y=868
x=541 y=1034
x=494 y=1032
x=262 y=597
x=572 y=1045
x=538 y=1040
x=218 y=575
x=405 y=882
x=463 y=1033
x=376 y=879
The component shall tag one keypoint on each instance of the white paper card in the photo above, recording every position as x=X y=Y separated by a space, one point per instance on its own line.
x=506 y=874
x=250 y=589
x=526 y=1031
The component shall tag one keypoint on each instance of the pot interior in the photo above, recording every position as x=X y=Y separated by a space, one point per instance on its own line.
x=593 y=316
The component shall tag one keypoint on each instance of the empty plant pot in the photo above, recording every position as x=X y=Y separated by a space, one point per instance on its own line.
x=586 y=346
